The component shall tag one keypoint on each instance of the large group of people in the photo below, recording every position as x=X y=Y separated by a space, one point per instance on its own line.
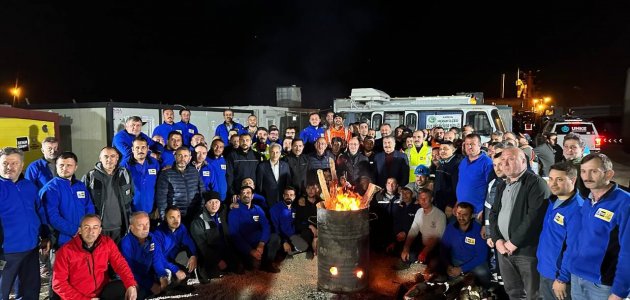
x=158 y=210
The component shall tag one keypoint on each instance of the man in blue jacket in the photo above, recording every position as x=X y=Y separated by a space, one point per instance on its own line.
x=224 y=128
x=168 y=126
x=174 y=142
x=144 y=173
x=599 y=246
x=23 y=222
x=66 y=200
x=202 y=165
x=123 y=140
x=187 y=129
x=564 y=205
x=174 y=238
x=251 y=233
x=219 y=167
x=463 y=248
x=311 y=133
x=475 y=172
x=43 y=170
x=145 y=258
x=283 y=218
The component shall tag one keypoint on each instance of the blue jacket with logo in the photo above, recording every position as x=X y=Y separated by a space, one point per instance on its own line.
x=187 y=130
x=144 y=177
x=39 y=173
x=282 y=218
x=223 y=131
x=123 y=142
x=165 y=129
x=22 y=215
x=248 y=227
x=66 y=202
x=208 y=176
x=168 y=158
x=172 y=242
x=311 y=133
x=219 y=167
x=467 y=246
x=553 y=238
x=599 y=247
x=147 y=262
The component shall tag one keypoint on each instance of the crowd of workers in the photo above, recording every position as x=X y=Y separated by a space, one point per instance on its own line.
x=157 y=211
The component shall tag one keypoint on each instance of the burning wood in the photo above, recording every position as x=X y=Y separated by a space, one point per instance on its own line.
x=343 y=198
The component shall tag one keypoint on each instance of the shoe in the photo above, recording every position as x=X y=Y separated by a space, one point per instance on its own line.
x=310 y=255
x=271 y=268
x=401 y=265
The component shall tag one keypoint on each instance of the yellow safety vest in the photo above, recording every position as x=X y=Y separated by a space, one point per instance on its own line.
x=418 y=158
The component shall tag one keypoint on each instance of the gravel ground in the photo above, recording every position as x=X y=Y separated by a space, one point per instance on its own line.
x=297 y=280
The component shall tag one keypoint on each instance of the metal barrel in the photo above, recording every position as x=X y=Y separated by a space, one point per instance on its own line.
x=343 y=253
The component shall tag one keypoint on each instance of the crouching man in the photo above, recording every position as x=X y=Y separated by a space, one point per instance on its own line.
x=80 y=270
x=178 y=247
x=211 y=236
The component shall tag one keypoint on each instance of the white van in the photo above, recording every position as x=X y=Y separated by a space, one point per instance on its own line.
x=586 y=130
x=376 y=107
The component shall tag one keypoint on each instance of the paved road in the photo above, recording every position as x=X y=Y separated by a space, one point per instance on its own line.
x=621 y=163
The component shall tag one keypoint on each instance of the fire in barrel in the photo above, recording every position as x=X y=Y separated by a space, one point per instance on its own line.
x=343 y=239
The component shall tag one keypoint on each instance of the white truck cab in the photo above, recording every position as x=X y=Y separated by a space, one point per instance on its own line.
x=376 y=107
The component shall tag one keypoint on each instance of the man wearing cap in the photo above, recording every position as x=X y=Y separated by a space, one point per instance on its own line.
x=422 y=180
x=123 y=140
x=251 y=233
x=418 y=155
x=337 y=130
x=210 y=233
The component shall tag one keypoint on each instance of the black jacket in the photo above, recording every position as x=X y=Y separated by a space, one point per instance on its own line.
x=527 y=216
x=399 y=168
x=123 y=188
x=211 y=237
x=445 y=184
x=266 y=183
x=297 y=166
x=180 y=189
x=241 y=165
x=353 y=167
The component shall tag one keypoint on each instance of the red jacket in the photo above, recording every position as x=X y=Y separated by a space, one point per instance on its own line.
x=79 y=274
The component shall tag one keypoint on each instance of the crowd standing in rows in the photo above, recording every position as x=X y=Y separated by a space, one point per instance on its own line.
x=160 y=210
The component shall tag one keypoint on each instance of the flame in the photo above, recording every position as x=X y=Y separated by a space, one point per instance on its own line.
x=346 y=201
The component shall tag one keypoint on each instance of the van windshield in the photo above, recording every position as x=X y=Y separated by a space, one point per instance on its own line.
x=479 y=120
x=498 y=122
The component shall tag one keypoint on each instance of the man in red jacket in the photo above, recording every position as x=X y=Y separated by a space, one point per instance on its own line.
x=80 y=269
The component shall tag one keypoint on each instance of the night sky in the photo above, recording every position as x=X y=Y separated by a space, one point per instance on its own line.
x=237 y=52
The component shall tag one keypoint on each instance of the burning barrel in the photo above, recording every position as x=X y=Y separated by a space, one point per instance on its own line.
x=343 y=253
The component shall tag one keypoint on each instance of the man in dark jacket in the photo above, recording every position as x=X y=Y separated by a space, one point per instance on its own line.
x=111 y=189
x=391 y=163
x=446 y=176
x=241 y=163
x=353 y=164
x=272 y=176
x=516 y=221
x=403 y=214
x=298 y=162
x=180 y=186
x=76 y=279
x=210 y=233
x=23 y=222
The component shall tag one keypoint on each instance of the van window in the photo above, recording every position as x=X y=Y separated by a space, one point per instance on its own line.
x=498 y=122
x=411 y=121
x=377 y=120
x=394 y=119
x=479 y=120
x=443 y=118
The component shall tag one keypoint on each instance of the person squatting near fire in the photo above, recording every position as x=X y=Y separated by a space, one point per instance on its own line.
x=511 y=203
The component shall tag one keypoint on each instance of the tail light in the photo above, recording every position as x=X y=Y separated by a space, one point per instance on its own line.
x=598 y=141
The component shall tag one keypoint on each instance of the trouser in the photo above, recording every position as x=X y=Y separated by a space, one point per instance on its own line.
x=113 y=290
x=582 y=289
x=209 y=266
x=24 y=265
x=520 y=276
x=115 y=234
x=269 y=255
x=481 y=272
x=546 y=290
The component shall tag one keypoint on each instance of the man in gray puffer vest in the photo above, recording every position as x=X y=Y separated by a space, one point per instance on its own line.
x=111 y=189
x=181 y=186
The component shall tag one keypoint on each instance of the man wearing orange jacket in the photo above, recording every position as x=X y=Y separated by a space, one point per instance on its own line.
x=337 y=130
x=80 y=269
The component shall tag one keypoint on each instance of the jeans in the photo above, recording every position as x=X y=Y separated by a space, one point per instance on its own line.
x=582 y=289
x=24 y=265
x=481 y=272
x=546 y=291
x=520 y=276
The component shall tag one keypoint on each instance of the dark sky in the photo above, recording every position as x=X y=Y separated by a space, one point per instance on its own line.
x=236 y=52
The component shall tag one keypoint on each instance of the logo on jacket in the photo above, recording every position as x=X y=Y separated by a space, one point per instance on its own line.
x=604 y=214
x=559 y=219
x=293 y=215
x=223 y=167
x=191 y=131
x=152 y=247
x=152 y=172
x=81 y=194
x=206 y=173
x=470 y=241
x=255 y=218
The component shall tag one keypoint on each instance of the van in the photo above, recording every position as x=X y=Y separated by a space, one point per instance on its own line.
x=376 y=107
x=587 y=131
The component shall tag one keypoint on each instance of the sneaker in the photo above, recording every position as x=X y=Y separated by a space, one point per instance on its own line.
x=401 y=265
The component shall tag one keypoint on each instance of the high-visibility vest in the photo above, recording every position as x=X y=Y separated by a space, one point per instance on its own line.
x=418 y=158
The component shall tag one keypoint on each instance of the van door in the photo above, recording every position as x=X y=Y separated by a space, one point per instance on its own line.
x=377 y=121
x=411 y=120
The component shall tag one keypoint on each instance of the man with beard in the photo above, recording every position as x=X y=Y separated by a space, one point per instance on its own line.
x=251 y=233
x=111 y=189
x=298 y=163
x=242 y=163
x=186 y=128
x=289 y=132
x=337 y=130
x=144 y=173
x=173 y=143
x=274 y=135
x=176 y=243
x=273 y=176
x=391 y=163
x=304 y=209
x=403 y=215
x=252 y=127
x=168 y=126
x=123 y=140
x=228 y=124
x=283 y=220
x=438 y=136
x=419 y=154
x=386 y=130
x=261 y=146
x=364 y=130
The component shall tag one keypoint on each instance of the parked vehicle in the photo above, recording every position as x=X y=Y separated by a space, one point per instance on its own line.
x=586 y=129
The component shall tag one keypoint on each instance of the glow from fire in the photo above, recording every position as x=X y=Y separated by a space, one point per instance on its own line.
x=333 y=271
x=347 y=201
x=359 y=274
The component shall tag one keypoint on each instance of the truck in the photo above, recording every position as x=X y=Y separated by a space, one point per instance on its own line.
x=376 y=107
